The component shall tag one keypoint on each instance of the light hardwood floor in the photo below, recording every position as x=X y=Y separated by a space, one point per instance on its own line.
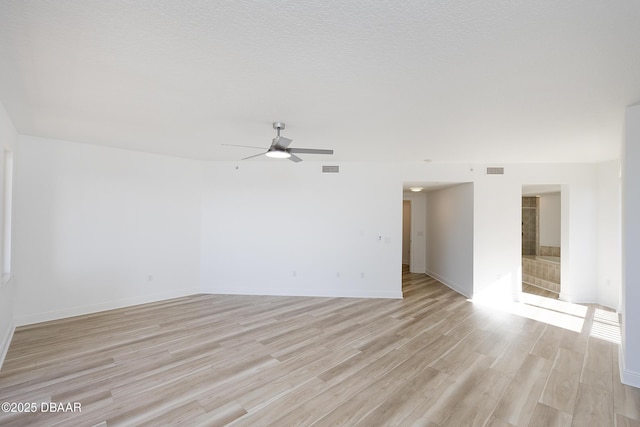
x=431 y=359
x=535 y=290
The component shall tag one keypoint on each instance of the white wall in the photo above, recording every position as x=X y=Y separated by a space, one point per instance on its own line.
x=8 y=138
x=497 y=240
x=579 y=264
x=630 y=354
x=98 y=228
x=550 y=214
x=450 y=232
x=497 y=222
x=281 y=228
x=93 y=223
x=609 y=237
x=418 y=231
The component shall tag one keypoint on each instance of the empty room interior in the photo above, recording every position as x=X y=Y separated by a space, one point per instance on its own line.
x=319 y=213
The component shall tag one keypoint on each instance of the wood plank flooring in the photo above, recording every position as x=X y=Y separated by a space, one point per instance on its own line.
x=431 y=359
x=535 y=290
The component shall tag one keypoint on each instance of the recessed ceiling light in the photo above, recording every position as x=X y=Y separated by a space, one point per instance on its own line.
x=415 y=189
x=428 y=160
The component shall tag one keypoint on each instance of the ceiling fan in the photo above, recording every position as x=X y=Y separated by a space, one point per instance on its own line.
x=279 y=148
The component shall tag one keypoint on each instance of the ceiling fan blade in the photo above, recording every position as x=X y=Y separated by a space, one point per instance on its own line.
x=281 y=142
x=309 y=151
x=255 y=155
x=294 y=158
x=245 y=146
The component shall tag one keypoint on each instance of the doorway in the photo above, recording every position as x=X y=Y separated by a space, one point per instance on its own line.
x=541 y=237
x=406 y=234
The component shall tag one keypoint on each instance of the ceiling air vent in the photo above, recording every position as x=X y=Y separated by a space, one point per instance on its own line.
x=330 y=169
x=495 y=171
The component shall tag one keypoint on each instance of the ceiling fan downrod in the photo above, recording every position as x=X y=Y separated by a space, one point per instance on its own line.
x=278 y=126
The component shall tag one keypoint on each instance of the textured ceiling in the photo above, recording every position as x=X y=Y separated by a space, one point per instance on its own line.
x=490 y=81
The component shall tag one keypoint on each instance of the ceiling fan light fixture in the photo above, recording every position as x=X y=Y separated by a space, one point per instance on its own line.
x=279 y=148
x=278 y=154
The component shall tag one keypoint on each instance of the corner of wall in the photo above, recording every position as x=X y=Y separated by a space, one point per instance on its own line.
x=626 y=376
x=6 y=342
x=451 y=284
x=8 y=137
x=630 y=230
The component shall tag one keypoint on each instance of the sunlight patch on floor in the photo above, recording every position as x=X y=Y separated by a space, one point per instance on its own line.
x=555 y=305
x=550 y=311
x=606 y=326
x=566 y=315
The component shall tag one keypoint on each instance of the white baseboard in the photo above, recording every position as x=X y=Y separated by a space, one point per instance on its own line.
x=344 y=292
x=578 y=299
x=627 y=377
x=6 y=342
x=94 y=308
